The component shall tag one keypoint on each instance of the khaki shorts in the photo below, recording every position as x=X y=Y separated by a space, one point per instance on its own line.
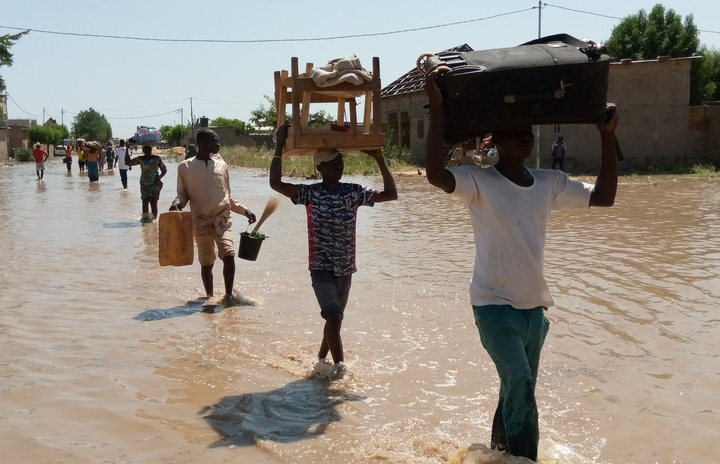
x=206 y=246
x=39 y=166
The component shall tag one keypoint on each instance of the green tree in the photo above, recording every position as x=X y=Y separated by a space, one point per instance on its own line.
x=708 y=74
x=241 y=127
x=266 y=116
x=49 y=135
x=91 y=125
x=173 y=134
x=319 y=118
x=644 y=36
x=6 y=58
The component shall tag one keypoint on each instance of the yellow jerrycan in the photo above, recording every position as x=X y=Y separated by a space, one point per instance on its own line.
x=176 y=238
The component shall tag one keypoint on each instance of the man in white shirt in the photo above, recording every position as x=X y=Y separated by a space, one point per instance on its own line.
x=509 y=206
x=204 y=182
x=120 y=162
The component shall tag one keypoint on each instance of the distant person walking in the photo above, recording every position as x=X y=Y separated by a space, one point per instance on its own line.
x=68 y=157
x=92 y=158
x=81 y=155
x=153 y=169
x=558 y=153
x=103 y=157
x=12 y=152
x=110 y=153
x=40 y=156
x=191 y=151
x=120 y=153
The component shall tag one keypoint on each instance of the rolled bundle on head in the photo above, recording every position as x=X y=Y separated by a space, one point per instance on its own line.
x=93 y=146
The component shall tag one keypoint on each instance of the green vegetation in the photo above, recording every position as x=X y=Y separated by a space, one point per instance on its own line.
x=258 y=235
x=23 y=155
x=241 y=127
x=393 y=152
x=6 y=58
x=173 y=134
x=266 y=116
x=644 y=36
x=705 y=170
x=357 y=164
x=91 y=125
x=48 y=135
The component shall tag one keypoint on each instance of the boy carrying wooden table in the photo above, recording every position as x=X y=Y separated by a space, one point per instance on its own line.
x=332 y=214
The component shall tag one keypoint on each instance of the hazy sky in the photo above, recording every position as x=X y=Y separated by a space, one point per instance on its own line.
x=131 y=81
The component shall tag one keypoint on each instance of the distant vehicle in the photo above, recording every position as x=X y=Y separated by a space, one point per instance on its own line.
x=147 y=134
x=59 y=150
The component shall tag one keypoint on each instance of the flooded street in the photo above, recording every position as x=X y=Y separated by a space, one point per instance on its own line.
x=108 y=357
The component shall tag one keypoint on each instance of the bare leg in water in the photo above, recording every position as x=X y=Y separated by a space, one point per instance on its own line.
x=229 y=275
x=207 y=278
x=153 y=207
x=331 y=339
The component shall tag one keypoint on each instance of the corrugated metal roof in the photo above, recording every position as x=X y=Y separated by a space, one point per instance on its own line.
x=413 y=81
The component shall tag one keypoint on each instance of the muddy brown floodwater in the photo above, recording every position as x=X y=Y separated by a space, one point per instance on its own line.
x=108 y=357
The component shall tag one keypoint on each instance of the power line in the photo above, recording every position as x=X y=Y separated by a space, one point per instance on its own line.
x=605 y=16
x=581 y=11
x=150 y=116
x=146 y=106
x=309 y=39
x=21 y=109
x=315 y=39
x=223 y=101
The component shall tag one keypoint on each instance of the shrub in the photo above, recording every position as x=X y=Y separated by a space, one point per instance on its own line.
x=704 y=170
x=21 y=154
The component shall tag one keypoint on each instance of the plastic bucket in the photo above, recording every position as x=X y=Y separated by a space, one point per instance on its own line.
x=249 y=246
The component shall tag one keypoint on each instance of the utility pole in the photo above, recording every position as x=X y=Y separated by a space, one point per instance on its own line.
x=537 y=127
x=62 y=116
x=182 y=123
x=192 y=121
x=539 y=19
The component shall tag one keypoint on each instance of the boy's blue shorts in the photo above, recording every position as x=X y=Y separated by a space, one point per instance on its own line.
x=331 y=292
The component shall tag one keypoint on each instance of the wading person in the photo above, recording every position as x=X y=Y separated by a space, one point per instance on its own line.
x=191 y=151
x=509 y=206
x=332 y=213
x=68 y=157
x=153 y=169
x=204 y=182
x=120 y=153
x=103 y=158
x=92 y=158
x=558 y=153
x=40 y=156
x=81 y=156
x=110 y=153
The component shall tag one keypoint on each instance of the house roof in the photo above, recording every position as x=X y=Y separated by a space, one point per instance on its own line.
x=413 y=81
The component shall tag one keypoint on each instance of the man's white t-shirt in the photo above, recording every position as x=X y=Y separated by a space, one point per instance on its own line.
x=509 y=223
x=120 y=156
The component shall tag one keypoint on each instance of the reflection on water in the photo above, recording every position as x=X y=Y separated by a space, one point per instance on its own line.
x=126 y=352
